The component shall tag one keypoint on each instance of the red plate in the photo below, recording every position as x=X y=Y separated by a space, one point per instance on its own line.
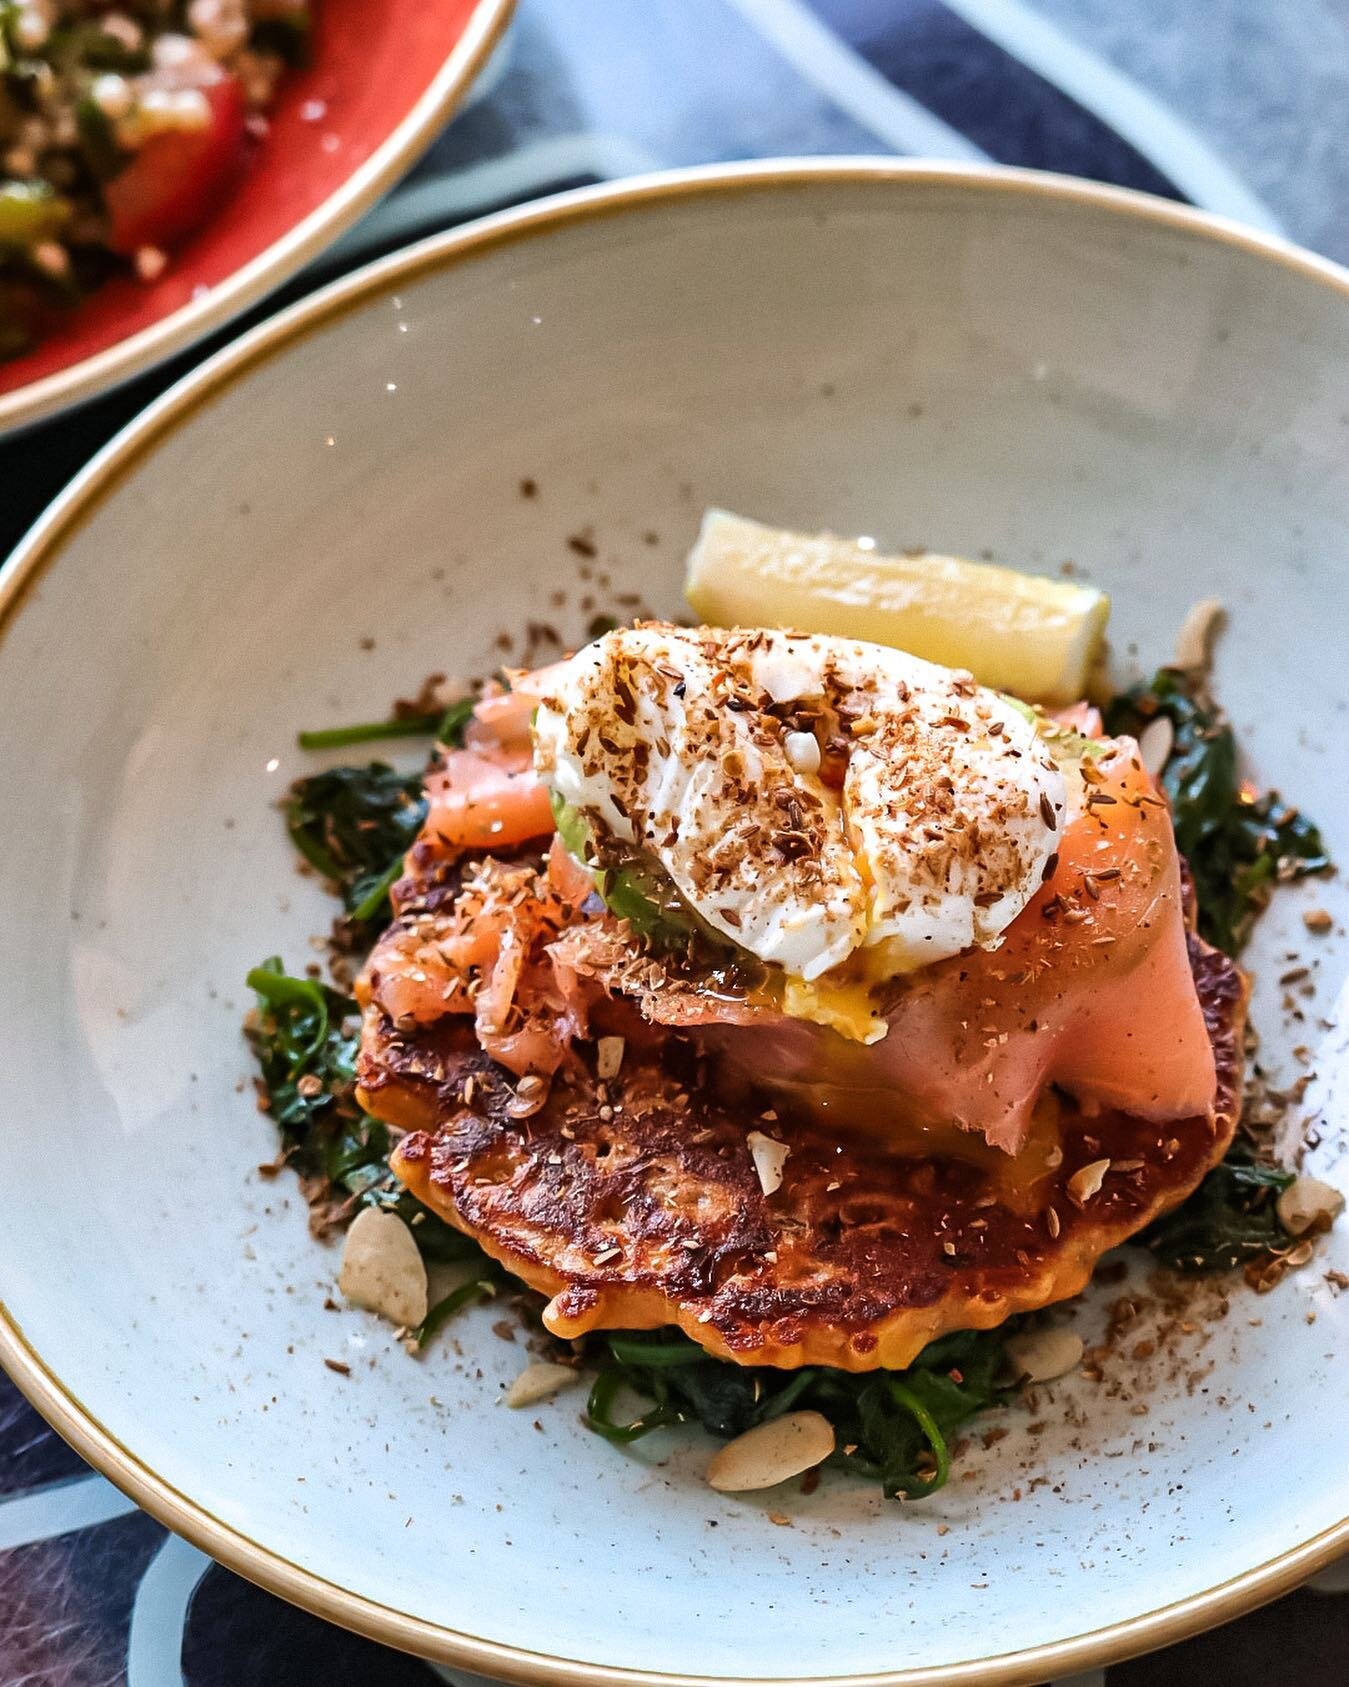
x=388 y=75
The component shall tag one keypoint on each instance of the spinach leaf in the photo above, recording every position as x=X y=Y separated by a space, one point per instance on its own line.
x=447 y=728
x=305 y=1044
x=86 y=45
x=355 y=824
x=483 y=1282
x=1238 y=844
x=896 y=1423
x=1231 y=1218
x=304 y=1039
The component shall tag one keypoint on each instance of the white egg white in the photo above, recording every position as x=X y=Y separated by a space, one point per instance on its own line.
x=689 y=745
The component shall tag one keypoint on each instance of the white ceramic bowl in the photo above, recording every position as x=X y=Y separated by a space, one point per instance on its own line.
x=980 y=362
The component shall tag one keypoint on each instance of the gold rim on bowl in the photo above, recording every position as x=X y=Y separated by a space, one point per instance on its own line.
x=178 y=1511
x=313 y=234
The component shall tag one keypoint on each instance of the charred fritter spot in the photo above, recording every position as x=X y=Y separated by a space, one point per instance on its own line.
x=635 y=1203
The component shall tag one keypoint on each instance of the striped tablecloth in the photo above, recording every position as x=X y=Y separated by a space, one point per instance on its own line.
x=1237 y=106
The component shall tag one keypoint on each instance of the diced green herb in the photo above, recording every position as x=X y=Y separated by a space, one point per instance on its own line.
x=88 y=46
x=290 y=36
x=30 y=211
x=1231 y=1218
x=1238 y=845
x=98 y=140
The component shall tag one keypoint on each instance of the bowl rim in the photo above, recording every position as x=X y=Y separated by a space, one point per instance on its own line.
x=399 y=150
x=62 y=1408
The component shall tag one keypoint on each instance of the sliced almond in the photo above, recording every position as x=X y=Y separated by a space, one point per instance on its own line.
x=1042 y=1355
x=540 y=1381
x=1155 y=743
x=382 y=1269
x=769 y=1156
x=608 y=1057
x=1308 y=1204
x=1194 y=641
x=772 y=1453
x=530 y=1094
x=1086 y=1181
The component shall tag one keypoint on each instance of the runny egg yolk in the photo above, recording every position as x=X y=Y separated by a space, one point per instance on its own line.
x=922 y=825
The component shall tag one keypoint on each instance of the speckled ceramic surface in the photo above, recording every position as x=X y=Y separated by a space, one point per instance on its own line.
x=1003 y=367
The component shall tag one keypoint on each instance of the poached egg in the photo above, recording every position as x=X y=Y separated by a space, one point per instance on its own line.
x=837 y=809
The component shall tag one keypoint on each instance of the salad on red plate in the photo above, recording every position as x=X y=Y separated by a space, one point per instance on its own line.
x=122 y=128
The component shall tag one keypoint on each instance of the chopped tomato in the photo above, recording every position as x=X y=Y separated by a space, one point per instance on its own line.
x=175 y=180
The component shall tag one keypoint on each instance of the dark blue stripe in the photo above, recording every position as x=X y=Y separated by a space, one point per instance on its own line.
x=968 y=81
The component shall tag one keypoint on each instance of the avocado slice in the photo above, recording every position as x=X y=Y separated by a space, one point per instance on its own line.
x=638 y=890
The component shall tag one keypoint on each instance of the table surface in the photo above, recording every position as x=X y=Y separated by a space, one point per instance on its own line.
x=1236 y=106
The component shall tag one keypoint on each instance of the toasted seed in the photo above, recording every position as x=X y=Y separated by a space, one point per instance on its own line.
x=382 y=1269
x=771 y=1453
x=1042 y=1355
x=1087 y=1180
x=1318 y=920
x=769 y=1156
x=1309 y=1204
x=608 y=1057
x=540 y=1381
x=1155 y=743
x=1194 y=641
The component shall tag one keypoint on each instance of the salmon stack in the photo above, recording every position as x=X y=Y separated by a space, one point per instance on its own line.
x=795 y=992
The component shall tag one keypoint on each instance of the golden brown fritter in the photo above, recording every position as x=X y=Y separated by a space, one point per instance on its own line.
x=634 y=1203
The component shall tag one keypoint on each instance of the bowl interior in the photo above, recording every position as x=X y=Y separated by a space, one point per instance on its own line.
x=370 y=69
x=980 y=368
